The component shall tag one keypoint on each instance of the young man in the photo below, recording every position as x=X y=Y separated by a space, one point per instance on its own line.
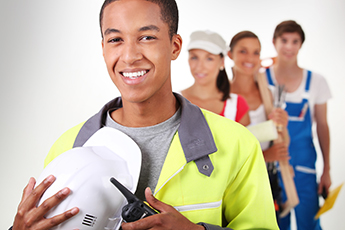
x=208 y=171
x=306 y=103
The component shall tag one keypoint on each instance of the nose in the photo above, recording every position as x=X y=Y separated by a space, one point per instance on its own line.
x=131 y=53
x=289 y=45
x=199 y=65
x=250 y=58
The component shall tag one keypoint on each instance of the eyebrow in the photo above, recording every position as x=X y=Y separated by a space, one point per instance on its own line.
x=144 y=28
x=110 y=30
x=150 y=27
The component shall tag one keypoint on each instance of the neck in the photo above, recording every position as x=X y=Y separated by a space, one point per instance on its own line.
x=147 y=113
x=286 y=67
x=205 y=91
x=242 y=83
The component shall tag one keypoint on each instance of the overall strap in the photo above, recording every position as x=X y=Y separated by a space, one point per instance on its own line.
x=307 y=84
x=269 y=77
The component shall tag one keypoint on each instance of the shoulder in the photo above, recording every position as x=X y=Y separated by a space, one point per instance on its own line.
x=238 y=99
x=241 y=104
x=241 y=101
x=224 y=129
x=318 y=83
x=317 y=78
x=236 y=145
x=63 y=143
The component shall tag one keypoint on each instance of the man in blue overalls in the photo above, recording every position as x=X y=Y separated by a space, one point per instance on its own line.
x=305 y=105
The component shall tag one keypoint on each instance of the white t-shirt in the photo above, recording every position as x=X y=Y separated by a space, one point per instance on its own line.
x=256 y=117
x=319 y=91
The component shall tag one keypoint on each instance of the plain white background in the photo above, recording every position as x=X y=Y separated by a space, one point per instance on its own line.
x=53 y=75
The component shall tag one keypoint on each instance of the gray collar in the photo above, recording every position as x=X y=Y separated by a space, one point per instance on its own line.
x=194 y=133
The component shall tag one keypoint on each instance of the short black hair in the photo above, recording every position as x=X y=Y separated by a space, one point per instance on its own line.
x=169 y=14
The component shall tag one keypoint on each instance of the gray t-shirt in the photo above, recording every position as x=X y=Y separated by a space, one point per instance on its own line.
x=154 y=142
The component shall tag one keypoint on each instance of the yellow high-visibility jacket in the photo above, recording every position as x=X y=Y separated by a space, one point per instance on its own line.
x=214 y=172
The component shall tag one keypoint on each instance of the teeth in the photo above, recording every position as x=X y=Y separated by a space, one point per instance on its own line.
x=134 y=75
x=249 y=65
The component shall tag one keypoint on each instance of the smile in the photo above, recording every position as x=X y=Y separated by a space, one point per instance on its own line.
x=134 y=75
x=248 y=65
x=200 y=75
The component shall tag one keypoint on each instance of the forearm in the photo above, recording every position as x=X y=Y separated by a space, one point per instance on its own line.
x=324 y=140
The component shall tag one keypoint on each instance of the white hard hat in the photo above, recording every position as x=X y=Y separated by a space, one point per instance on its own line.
x=87 y=171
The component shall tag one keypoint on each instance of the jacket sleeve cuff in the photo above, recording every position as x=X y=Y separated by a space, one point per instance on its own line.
x=212 y=227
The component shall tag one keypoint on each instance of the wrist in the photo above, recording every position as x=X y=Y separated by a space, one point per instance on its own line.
x=326 y=168
x=201 y=226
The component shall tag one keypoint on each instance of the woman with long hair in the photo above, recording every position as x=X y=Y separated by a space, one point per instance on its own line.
x=245 y=51
x=211 y=88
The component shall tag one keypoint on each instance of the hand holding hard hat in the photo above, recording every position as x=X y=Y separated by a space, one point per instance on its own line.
x=85 y=174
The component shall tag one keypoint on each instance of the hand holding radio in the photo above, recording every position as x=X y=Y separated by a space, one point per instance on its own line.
x=167 y=218
x=135 y=209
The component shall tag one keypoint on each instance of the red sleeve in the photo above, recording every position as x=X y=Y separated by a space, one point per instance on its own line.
x=242 y=108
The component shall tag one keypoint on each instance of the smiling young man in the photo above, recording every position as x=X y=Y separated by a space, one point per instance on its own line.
x=306 y=99
x=206 y=171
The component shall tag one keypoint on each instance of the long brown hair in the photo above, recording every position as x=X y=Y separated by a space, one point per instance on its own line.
x=223 y=83
x=239 y=36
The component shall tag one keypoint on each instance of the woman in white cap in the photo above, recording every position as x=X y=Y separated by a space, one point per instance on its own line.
x=211 y=88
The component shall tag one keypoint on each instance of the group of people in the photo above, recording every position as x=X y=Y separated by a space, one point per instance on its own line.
x=201 y=160
x=238 y=98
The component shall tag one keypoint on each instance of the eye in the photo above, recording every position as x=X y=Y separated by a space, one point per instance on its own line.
x=148 y=38
x=193 y=58
x=114 y=40
x=295 y=42
x=210 y=59
x=257 y=53
x=243 y=51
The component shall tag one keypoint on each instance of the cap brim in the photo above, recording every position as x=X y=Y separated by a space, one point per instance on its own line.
x=205 y=45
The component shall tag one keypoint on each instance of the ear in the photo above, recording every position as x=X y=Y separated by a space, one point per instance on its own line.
x=230 y=54
x=103 y=47
x=223 y=63
x=176 y=46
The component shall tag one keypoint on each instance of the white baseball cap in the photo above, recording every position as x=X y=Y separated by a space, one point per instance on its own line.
x=209 y=41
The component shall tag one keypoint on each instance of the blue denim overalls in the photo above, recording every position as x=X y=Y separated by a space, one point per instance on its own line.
x=303 y=158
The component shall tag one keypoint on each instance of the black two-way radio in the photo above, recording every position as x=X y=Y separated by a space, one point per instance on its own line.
x=135 y=209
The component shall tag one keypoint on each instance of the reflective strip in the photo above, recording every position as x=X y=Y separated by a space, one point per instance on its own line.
x=305 y=169
x=169 y=179
x=296 y=118
x=305 y=95
x=193 y=207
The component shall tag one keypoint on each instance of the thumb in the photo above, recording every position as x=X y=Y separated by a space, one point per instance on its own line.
x=154 y=203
